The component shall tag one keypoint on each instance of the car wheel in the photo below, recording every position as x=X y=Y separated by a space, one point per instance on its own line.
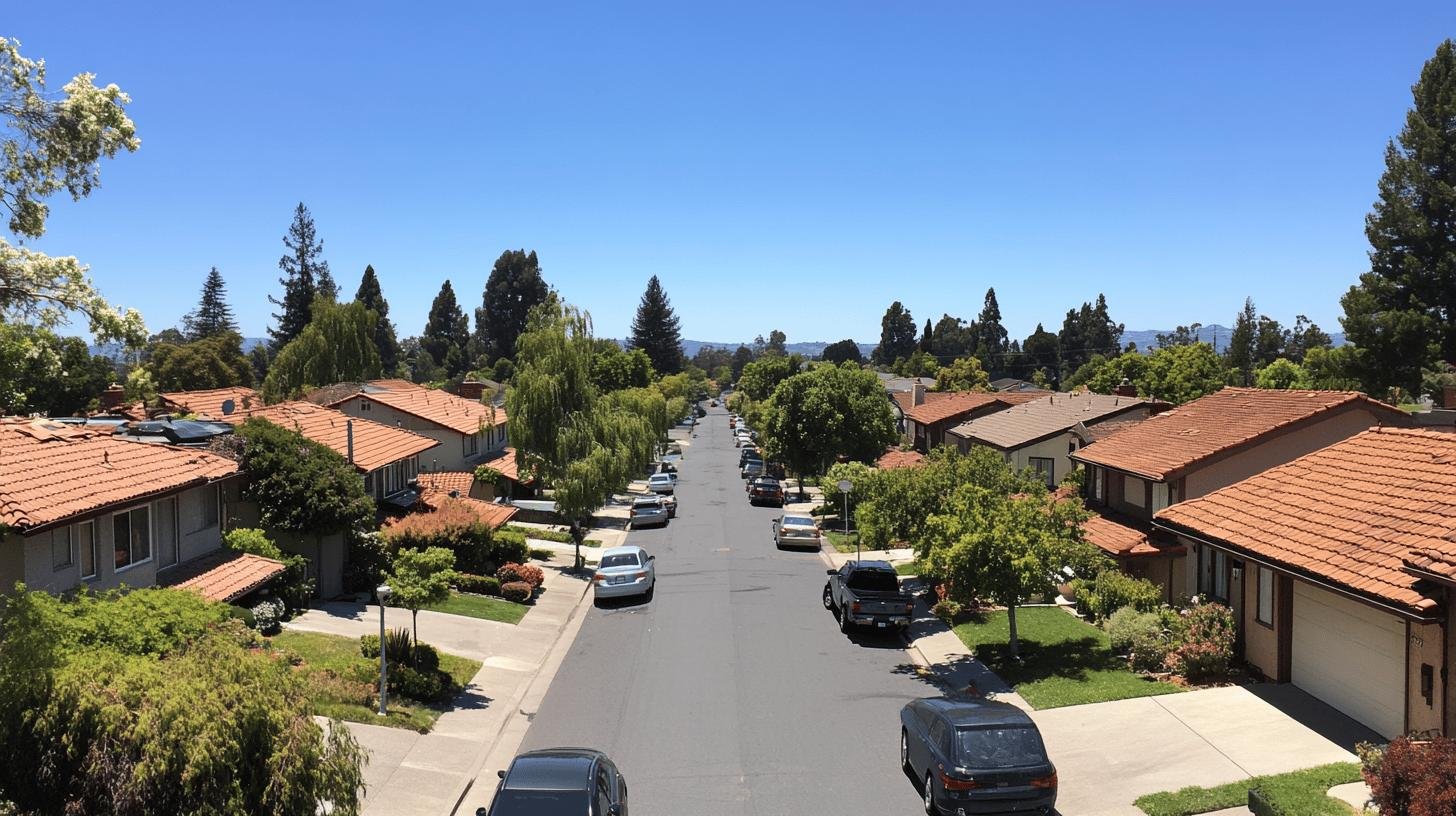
x=930 y=807
x=828 y=598
x=904 y=750
x=650 y=591
x=844 y=622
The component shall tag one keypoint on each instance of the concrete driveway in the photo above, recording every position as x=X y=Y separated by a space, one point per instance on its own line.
x=1108 y=754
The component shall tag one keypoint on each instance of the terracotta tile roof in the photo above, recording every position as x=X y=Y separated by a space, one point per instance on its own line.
x=394 y=384
x=1349 y=514
x=223 y=575
x=491 y=513
x=376 y=445
x=1045 y=416
x=50 y=472
x=441 y=408
x=1441 y=564
x=1168 y=443
x=505 y=464
x=1119 y=535
x=208 y=404
x=950 y=405
x=444 y=481
x=892 y=459
x=1108 y=427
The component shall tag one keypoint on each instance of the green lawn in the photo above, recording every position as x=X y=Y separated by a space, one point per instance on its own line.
x=483 y=607
x=337 y=669
x=542 y=554
x=911 y=568
x=1301 y=792
x=1064 y=661
x=841 y=541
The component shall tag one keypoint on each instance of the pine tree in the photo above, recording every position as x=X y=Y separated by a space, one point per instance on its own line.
x=303 y=271
x=991 y=336
x=514 y=287
x=212 y=316
x=1402 y=313
x=927 y=341
x=897 y=335
x=326 y=286
x=446 y=332
x=655 y=330
x=384 y=339
x=1243 y=344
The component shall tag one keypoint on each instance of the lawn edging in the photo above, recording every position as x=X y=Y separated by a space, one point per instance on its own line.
x=1304 y=792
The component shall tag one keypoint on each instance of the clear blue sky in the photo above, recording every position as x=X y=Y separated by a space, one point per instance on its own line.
x=786 y=166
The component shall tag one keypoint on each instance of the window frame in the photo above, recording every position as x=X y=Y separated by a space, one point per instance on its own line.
x=80 y=567
x=1051 y=468
x=70 y=550
x=1099 y=485
x=132 y=561
x=1261 y=596
x=176 y=532
x=211 y=505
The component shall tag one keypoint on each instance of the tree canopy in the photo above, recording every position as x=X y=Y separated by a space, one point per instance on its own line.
x=964 y=374
x=614 y=369
x=372 y=297
x=514 y=288
x=844 y=351
x=421 y=578
x=824 y=413
x=336 y=346
x=655 y=329
x=46 y=374
x=1402 y=313
x=447 y=332
x=760 y=377
x=300 y=485
x=213 y=316
x=214 y=361
x=305 y=278
x=897 y=335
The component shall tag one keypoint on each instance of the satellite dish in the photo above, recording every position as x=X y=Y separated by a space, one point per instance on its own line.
x=228 y=406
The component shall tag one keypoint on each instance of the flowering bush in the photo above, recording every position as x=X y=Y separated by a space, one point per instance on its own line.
x=1127 y=624
x=1207 y=644
x=1411 y=778
x=457 y=526
x=267 y=614
x=518 y=591
x=528 y=573
x=1113 y=589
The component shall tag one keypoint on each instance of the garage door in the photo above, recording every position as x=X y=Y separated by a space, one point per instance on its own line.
x=1351 y=656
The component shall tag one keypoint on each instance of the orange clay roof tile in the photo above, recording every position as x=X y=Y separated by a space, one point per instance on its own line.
x=50 y=471
x=208 y=404
x=376 y=445
x=447 y=410
x=892 y=459
x=1351 y=514
x=223 y=575
x=1166 y=444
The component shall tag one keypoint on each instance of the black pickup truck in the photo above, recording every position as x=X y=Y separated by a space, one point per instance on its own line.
x=867 y=593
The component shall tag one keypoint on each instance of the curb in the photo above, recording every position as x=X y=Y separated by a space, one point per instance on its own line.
x=554 y=657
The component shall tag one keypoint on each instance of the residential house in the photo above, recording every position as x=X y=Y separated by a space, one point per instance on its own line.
x=1042 y=434
x=81 y=507
x=1013 y=384
x=1339 y=567
x=929 y=414
x=1195 y=449
x=469 y=432
x=212 y=403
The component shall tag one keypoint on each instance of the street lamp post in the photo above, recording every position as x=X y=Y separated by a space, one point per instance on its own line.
x=383 y=592
x=845 y=486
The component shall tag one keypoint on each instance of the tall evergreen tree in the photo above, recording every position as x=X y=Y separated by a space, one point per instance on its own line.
x=1244 y=344
x=991 y=336
x=213 y=316
x=370 y=295
x=1087 y=332
x=953 y=338
x=303 y=271
x=446 y=332
x=514 y=287
x=326 y=286
x=742 y=357
x=1402 y=313
x=655 y=330
x=927 y=339
x=897 y=335
x=1041 y=352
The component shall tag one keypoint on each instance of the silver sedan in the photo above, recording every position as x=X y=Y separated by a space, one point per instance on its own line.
x=625 y=571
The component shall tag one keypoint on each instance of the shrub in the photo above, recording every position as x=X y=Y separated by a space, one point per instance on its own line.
x=424 y=657
x=479 y=584
x=1207 y=644
x=369 y=646
x=293 y=587
x=1148 y=650
x=510 y=545
x=528 y=573
x=368 y=562
x=243 y=614
x=459 y=527
x=1113 y=589
x=407 y=681
x=1411 y=778
x=518 y=591
x=349 y=688
x=267 y=614
x=399 y=642
x=946 y=609
x=252 y=540
x=1127 y=623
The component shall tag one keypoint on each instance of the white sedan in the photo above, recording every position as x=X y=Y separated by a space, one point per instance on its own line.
x=625 y=571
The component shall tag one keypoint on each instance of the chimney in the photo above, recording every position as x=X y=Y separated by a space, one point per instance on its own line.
x=349 y=435
x=113 y=397
x=472 y=390
x=917 y=393
x=1125 y=388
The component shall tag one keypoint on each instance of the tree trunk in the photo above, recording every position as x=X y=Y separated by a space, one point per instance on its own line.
x=415 y=626
x=1011 y=619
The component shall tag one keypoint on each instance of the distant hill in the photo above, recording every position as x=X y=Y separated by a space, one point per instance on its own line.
x=114 y=350
x=1147 y=339
x=691 y=347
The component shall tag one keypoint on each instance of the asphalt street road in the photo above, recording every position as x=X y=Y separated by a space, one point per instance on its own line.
x=734 y=692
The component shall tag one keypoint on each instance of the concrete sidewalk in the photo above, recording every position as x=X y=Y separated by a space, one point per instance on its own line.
x=411 y=774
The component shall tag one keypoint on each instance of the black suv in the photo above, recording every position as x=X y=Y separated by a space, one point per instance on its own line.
x=560 y=782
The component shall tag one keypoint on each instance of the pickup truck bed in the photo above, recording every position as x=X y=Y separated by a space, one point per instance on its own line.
x=867 y=593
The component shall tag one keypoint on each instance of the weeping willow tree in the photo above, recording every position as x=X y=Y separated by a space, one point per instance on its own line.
x=336 y=346
x=584 y=445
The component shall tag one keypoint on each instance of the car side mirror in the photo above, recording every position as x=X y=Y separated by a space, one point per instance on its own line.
x=501 y=774
x=830 y=572
x=614 y=810
x=651 y=558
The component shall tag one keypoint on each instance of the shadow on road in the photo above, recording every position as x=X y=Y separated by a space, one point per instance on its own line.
x=629 y=602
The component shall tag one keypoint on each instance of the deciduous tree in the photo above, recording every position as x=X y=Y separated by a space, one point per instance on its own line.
x=844 y=351
x=215 y=361
x=964 y=374
x=337 y=346
x=300 y=485
x=421 y=578
x=830 y=411
x=1284 y=374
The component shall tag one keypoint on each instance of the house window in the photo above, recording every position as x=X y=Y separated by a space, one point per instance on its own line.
x=1044 y=467
x=209 y=504
x=131 y=536
x=470 y=445
x=1132 y=492
x=363 y=405
x=1265 y=607
x=62 y=555
x=166 y=533
x=86 y=544
x=369 y=483
x=1213 y=573
x=1099 y=485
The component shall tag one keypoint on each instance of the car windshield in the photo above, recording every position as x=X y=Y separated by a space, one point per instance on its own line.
x=874 y=580
x=540 y=803
x=798 y=521
x=999 y=747
x=661 y=477
x=620 y=560
x=648 y=504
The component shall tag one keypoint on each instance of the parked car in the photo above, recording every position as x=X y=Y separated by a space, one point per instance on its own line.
x=625 y=571
x=976 y=756
x=752 y=468
x=747 y=454
x=764 y=490
x=662 y=482
x=566 y=781
x=670 y=502
x=867 y=593
x=648 y=511
x=795 y=531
